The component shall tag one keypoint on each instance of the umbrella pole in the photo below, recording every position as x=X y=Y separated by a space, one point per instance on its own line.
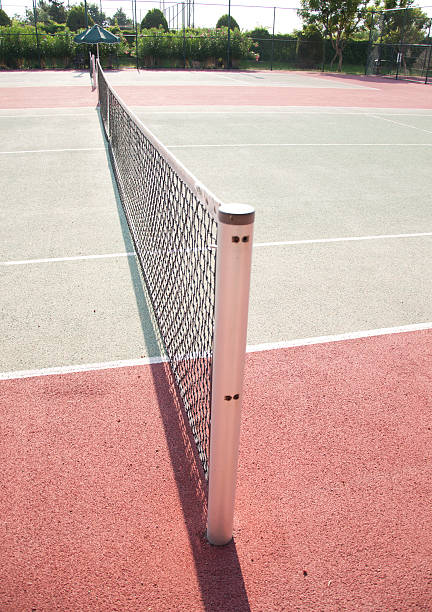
x=97 y=47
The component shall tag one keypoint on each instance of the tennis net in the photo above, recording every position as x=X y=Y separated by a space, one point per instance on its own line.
x=174 y=235
x=179 y=229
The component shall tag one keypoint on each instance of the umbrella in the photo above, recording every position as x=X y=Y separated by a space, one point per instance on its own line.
x=96 y=35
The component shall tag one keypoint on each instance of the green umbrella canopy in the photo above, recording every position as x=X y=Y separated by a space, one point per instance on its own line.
x=96 y=35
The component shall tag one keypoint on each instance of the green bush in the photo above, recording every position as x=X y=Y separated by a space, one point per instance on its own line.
x=19 y=48
x=201 y=45
x=262 y=43
x=355 y=52
x=227 y=21
x=57 y=49
x=51 y=27
x=154 y=19
x=76 y=18
x=18 y=43
x=310 y=49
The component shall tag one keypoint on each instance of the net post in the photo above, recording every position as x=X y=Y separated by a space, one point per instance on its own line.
x=233 y=266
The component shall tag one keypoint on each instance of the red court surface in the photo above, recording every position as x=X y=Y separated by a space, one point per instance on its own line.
x=378 y=93
x=102 y=507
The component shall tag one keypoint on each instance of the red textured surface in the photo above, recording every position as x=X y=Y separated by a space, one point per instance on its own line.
x=383 y=93
x=101 y=507
x=47 y=97
x=388 y=94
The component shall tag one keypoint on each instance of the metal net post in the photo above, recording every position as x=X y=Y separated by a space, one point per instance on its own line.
x=233 y=265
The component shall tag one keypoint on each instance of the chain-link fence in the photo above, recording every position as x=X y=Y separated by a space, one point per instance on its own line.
x=394 y=43
x=400 y=45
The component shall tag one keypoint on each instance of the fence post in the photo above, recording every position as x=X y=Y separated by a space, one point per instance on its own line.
x=136 y=37
x=37 y=35
x=233 y=266
x=427 y=53
x=273 y=35
x=184 y=35
x=428 y=65
x=369 y=51
x=323 y=54
x=229 y=36
x=401 y=43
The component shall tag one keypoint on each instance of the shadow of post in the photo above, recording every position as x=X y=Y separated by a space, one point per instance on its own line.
x=218 y=568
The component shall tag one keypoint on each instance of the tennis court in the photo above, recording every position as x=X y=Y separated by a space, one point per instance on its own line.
x=104 y=504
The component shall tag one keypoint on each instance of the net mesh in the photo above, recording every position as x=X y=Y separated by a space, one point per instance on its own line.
x=174 y=233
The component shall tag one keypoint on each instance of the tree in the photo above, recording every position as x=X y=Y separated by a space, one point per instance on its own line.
x=42 y=13
x=337 y=19
x=402 y=24
x=224 y=20
x=96 y=14
x=120 y=18
x=310 y=47
x=4 y=19
x=57 y=11
x=76 y=18
x=154 y=19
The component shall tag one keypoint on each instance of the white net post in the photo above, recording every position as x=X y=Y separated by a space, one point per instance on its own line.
x=233 y=266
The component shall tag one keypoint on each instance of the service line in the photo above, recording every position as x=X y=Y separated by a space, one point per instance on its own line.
x=53 y=150
x=22 y=262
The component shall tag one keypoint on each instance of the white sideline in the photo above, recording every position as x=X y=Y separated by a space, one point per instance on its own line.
x=300 y=144
x=255 y=348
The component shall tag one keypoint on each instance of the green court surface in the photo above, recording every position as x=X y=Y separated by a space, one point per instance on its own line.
x=355 y=182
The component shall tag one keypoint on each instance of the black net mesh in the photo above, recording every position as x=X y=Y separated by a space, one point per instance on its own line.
x=174 y=234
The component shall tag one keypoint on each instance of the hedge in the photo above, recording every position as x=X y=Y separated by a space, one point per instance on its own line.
x=19 y=48
x=207 y=46
x=192 y=47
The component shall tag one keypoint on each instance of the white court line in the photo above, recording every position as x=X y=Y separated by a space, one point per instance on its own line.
x=56 y=259
x=413 y=127
x=248 y=110
x=237 y=81
x=125 y=363
x=52 y=150
x=235 y=145
x=300 y=144
x=346 y=239
x=22 y=262
x=278 y=111
x=51 y=116
x=368 y=333
x=85 y=367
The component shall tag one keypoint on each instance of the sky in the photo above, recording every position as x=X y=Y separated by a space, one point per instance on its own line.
x=247 y=13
